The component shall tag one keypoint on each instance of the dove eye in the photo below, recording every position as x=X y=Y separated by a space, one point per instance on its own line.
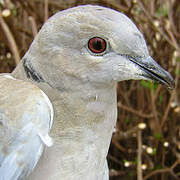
x=97 y=45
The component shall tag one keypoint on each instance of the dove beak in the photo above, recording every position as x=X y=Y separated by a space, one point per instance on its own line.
x=153 y=71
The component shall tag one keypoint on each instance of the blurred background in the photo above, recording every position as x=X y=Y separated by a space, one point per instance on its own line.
x=146 y=141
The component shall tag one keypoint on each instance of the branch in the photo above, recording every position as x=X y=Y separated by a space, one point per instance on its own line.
x=12 y=43
x=139 y=156
x=171 y=97
x=165 y=170
x=34 y=26
x=46 y=12
x=138 y=113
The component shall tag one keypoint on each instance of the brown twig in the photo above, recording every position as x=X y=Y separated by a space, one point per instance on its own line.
x=165 y=170
x=151 y=20
x=24 y=44
x=155 y=113
x=46 y=12
x=114 y=159
x=124 y=135
x=12 y=43
x=171 y=97
x=138 y=113
x=118 y=146
x=115 y=173
x=139 y=156
x=34 y=26
x=170 y=15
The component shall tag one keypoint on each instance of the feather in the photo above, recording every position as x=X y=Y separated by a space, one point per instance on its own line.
x=24 y=128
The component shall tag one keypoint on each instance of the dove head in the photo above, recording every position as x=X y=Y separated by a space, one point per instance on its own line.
x=92 y=44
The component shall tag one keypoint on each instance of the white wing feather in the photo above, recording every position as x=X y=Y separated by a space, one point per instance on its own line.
x=24 y=153
x=22 y=140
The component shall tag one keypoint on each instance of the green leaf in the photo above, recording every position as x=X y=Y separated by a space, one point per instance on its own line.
x=124 y=160
x=165 y=11
x=131 y=174
x=158 y=167
x=14 y=12
x=159 y=11
x=146 y=84
x=162 y=11
x=160 y=113
x=149 y=85
x=126 y=120
x=178 y=59
x=135 y=161
x=177 y=72
x=158 y=136
x=155 y=85
x=154 y=151
x=160 y=98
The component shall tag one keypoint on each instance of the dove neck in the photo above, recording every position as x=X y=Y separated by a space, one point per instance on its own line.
x=82 y=127
x=84 y=97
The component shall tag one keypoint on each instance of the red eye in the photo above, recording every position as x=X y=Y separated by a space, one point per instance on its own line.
x=97 y=45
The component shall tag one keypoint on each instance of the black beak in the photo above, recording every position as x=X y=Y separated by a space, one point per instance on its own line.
x=153 y=71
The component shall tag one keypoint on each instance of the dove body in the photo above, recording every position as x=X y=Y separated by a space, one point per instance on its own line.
x=76 y=59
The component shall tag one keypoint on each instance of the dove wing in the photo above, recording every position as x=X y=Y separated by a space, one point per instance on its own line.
x=26 y=116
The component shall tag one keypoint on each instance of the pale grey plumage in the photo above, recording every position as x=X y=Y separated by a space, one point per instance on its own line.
x=25 y=120
x=81 y=86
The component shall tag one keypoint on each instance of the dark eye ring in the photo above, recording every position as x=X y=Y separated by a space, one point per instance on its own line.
x=97 y=45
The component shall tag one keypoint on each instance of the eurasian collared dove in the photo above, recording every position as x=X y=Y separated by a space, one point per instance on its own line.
x=75 y=60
